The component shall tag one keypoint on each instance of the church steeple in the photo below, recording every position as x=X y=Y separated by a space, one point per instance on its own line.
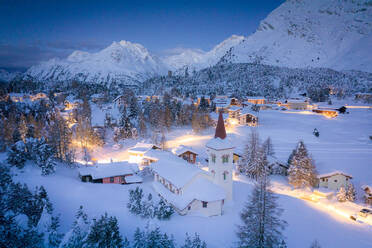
x=220 y=129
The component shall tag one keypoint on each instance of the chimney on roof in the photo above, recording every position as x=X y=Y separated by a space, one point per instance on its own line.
x=220 y=129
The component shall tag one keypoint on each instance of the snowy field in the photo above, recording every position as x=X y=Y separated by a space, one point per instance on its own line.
x=343 y=145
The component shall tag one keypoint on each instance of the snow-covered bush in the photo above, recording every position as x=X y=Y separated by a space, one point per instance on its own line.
x=194 y=242
x=164 y=210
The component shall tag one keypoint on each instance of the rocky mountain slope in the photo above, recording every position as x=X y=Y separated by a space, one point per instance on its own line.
x=312 y=33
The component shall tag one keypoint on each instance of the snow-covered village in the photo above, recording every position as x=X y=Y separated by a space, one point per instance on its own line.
x=263 y=140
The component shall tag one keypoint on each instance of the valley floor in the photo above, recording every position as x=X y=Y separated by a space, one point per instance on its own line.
x=343 y=145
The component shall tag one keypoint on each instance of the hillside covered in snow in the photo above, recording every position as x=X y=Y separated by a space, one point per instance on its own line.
x=311 y=33
x=121 y=62
x=242 y=79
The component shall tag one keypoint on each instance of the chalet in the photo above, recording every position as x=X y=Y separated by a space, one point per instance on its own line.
x=190 y=189
x=296 y=104
x=246 y=117
x=234 y=102
x=116 y=173
x=365 y=97
x=136 y=153
x=207 y=99
x=367 y=194
x=185 y=152
x=334 y=180
x=277 y=167
x=256 y=99
x=326 y=112
x=98 y=98
x=234 y=112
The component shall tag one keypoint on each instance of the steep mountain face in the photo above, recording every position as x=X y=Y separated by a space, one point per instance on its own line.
x=6 y=76
x=196 y=59
x=311 y=33
x=121 y=62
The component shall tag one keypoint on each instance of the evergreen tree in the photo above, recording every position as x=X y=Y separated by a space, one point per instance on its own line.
x=17 y=155
x=104 y=233
x=301 y=172
x=262 y=225
x=76 y=236
x=164 y=210
x=152 y=239
x=135 y=201
x=341 y=194
x=148 y=208
x=268 y=147
x=350 y=193
x=194 y=242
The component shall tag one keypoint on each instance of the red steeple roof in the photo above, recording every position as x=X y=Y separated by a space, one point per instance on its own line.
x=220 y=129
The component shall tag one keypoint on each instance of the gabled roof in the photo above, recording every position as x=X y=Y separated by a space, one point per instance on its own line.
x=333 y=174
x=142 y=147
x=182 y=149
x=176 y=170
x=100 y=171
x=201 y=189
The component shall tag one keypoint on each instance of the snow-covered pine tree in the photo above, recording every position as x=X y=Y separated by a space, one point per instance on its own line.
x=135 y=201
x=261 y=224
x=164 y=210
x=350 y=192
x=148 y=208
x=341 y=194
x=104 y=233
x=268 y=147
x=17 y=155
x=48 y=226
x=194 y=242
x=79 y=231
x=153 y=239
x=250 y=163
x=302 y=172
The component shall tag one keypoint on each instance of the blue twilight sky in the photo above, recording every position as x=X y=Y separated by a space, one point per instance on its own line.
x=33 y=30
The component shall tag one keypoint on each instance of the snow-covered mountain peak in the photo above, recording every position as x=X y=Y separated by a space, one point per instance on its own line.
x=123 y=61
x=312 y=33
x=198 y=59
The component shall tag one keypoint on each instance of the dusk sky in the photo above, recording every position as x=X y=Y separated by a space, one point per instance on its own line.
x=32 y=31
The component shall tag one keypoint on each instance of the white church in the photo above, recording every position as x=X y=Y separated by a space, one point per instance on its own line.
x=191 y=190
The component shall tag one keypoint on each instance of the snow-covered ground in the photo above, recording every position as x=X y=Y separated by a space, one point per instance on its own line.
x=343 y=145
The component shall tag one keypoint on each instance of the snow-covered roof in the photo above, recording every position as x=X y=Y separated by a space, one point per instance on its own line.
x=158 y=154
x=182 y=149
x=234 y=108
x=246 y=111
x=222 y=104
x=133 y=179
x=367 y=187
x=273 y=159
x=141 y=148
x=333 y=174
x=201 y=189
x=219 y=144
x=255 y=97
x=99 y=171
x=296 y=101
x=176 y=170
